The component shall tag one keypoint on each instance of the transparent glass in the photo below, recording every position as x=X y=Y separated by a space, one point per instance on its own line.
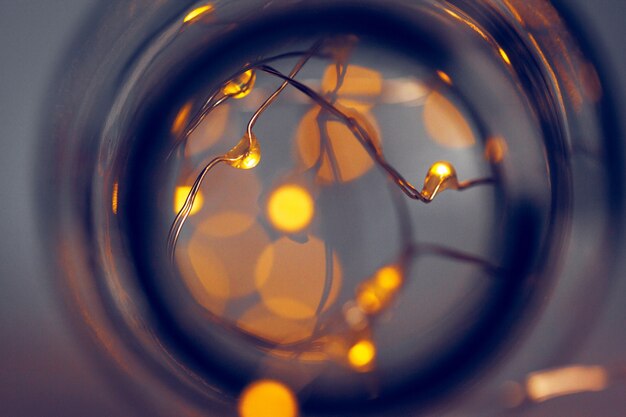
x=486 y=280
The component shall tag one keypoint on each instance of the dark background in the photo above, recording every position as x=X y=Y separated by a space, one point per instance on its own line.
x=43 y=371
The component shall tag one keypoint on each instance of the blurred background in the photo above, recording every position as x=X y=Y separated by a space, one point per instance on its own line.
x=44 y=369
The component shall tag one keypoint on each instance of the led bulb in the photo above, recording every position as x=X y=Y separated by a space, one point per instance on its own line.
x=246 y=154
x=241 y=85
x=440 y=176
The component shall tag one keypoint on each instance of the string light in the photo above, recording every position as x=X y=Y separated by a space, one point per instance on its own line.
x=290 y=208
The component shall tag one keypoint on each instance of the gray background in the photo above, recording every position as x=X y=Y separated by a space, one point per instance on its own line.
x=43 y=371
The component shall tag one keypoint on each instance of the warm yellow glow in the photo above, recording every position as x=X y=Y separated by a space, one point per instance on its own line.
x=290 y=208
x=442 y=169
x=543 y=385
x=246 y=154
x=389 y=278
x=267 y=398
x=197 y=12
x=241 y=85
x=347 y=159
x=114 y=197
x=441 y=176
x=375 y=294
x=504 y=56
x=495 y=149
x=180 y=196
x=368 y=299
x=361 y=355
x=444 y=77
x=291 y=277
x=445 y=123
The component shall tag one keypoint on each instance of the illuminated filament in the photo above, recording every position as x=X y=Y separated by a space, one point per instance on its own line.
x=440 y=176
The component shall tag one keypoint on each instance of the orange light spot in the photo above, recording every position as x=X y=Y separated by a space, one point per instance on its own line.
x=375 y=294
x=267 y=398
x=114 y=197
x=542 y=386
x=495 y=149
x=347 y=159
x=445 y=123
x=290 y=208
x=180 y=196
x=389 y=278
x=444 y=77
x=197 y=12
x=290 y=277
x=361 y=355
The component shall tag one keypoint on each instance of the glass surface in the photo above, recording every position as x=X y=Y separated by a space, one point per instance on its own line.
x=314 y=268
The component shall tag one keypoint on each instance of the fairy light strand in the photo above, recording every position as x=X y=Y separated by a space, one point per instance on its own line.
x=246 y=155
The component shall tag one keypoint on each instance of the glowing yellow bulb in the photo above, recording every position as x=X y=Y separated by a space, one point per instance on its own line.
x=504 y=56
x=267 y=398
x=389 y=278
x=197 y=12
x=361 y=355
x=180 y=196
x=241 y=85
x=368 y=300
x=441 y=175
x=375 y=294
x=290 y=208
x=246 y=154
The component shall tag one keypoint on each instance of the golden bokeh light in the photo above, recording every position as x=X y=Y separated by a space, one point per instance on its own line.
x=218 y=270
x=291 y=277
x=348 y=160
x=180 y=196
x=241 y=85
x=389 y=278
x=444 y=77
x=377 y=293
x=208 y=290
x=197 y=12
x=261 y=322
x=361 y=355
x=180 y=121
x=268 y=398
x=209 y=131
x=495 y=149
x=552 y=383
x=360 y=86
x=290 y=208
x=445 y=123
